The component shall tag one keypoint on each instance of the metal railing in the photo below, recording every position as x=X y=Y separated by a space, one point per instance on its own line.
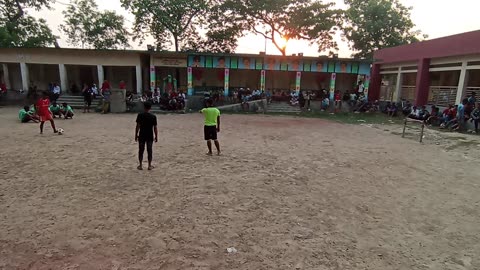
x=469 y=91
x=442 y=95
x=387 y=92
x=408 y=92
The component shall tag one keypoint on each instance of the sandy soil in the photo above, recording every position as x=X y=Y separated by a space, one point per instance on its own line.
x=287 y=194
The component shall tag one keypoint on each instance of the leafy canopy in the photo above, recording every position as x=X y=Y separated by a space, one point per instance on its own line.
x=87 y=27
x=18 y=29
x=280 y=20
x=375 y=24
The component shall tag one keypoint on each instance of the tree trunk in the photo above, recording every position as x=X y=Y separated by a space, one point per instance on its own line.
x=175 y=37
x=282 y=50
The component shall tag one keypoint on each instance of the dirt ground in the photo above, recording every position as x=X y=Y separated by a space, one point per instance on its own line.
x=288 y=193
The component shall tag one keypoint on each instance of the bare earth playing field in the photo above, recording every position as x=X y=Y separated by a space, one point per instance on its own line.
x=288 y=193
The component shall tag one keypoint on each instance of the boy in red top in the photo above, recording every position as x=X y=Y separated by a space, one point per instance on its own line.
x=338 y=101
x=43 y=109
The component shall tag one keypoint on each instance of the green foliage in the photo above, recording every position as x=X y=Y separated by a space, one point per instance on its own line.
x=18 y=29
x=87 y=27
x=188 y=25
x=375 y=24
x=310 y=20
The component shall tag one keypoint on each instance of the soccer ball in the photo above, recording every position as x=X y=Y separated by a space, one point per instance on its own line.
x=60 y=131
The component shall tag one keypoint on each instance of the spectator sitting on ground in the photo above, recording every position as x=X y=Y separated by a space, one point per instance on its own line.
x=25 y=115
x=67 y=111
x=387 y=108
x=446 y=115
x=414 y=113
x=452 y=113
x=55 y=109
x=392 y=111
x=362 y=105
x=407 y=108
x=435 y=117
x=423 y=114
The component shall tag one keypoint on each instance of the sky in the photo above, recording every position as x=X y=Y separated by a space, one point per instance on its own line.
x=436 y=18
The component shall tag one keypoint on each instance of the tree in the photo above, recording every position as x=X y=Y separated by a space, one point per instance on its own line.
x=166 y=20
x=85 y=26
x=277 y=20
x=375 y=24
x=190 y=25
x=18 y=29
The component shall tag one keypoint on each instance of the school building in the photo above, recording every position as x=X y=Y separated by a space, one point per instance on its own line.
x=21 y=68
x=440 y=71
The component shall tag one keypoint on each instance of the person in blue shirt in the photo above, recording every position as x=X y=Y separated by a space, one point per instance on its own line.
x=475 y=117
x=461 y=115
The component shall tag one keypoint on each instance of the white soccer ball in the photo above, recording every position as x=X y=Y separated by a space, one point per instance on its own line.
x=60 y=131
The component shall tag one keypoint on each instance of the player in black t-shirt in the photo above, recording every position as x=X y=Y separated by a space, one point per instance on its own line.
x=144 y=134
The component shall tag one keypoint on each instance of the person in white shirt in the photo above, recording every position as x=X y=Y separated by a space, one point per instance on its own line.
x=56 y=91
x=95 y=90
x=361 y=87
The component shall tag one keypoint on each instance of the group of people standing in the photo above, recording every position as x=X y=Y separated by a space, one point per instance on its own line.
x=91 y=92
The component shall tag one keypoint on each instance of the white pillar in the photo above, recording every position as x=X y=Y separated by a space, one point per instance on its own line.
x=63 y=78
x=398 y=87
x=138 y=71
x=101 y=76
x=6 y=76
x=25 y=76
x=462 y=83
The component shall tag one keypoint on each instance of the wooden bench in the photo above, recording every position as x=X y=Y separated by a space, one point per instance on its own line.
x=421 y=122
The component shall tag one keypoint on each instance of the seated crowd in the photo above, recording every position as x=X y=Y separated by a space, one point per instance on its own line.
x=173 y=101
x=454 y=117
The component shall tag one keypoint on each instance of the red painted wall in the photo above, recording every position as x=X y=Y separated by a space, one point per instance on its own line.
x=461 y=44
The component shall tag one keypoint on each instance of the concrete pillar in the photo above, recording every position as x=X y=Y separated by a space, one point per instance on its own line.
x=333 y=78
x=138 y=72
x=226 y=82
x=462 y=83
x=398 y=87
x=101 y=76
x=423 y=82
x=6 y=76
x=63 y=78
x=25 y=76
x=375 y=83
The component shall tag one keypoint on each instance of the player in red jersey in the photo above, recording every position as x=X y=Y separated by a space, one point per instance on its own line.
x=44 y=112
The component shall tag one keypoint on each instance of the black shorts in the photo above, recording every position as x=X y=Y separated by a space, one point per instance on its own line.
x=210 y=132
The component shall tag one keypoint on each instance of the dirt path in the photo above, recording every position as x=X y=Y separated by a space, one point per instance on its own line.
x=287 y=194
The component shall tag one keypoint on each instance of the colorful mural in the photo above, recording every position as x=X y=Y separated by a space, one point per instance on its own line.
x=278 y=63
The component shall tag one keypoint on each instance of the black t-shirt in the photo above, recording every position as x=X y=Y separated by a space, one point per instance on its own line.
x=146 y=121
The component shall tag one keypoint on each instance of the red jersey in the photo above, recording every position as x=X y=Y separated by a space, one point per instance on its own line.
x=3 y=87
x=122 y=85
x=453 y=112
x=43 y=106
x=105 y=86
x=337 y=97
